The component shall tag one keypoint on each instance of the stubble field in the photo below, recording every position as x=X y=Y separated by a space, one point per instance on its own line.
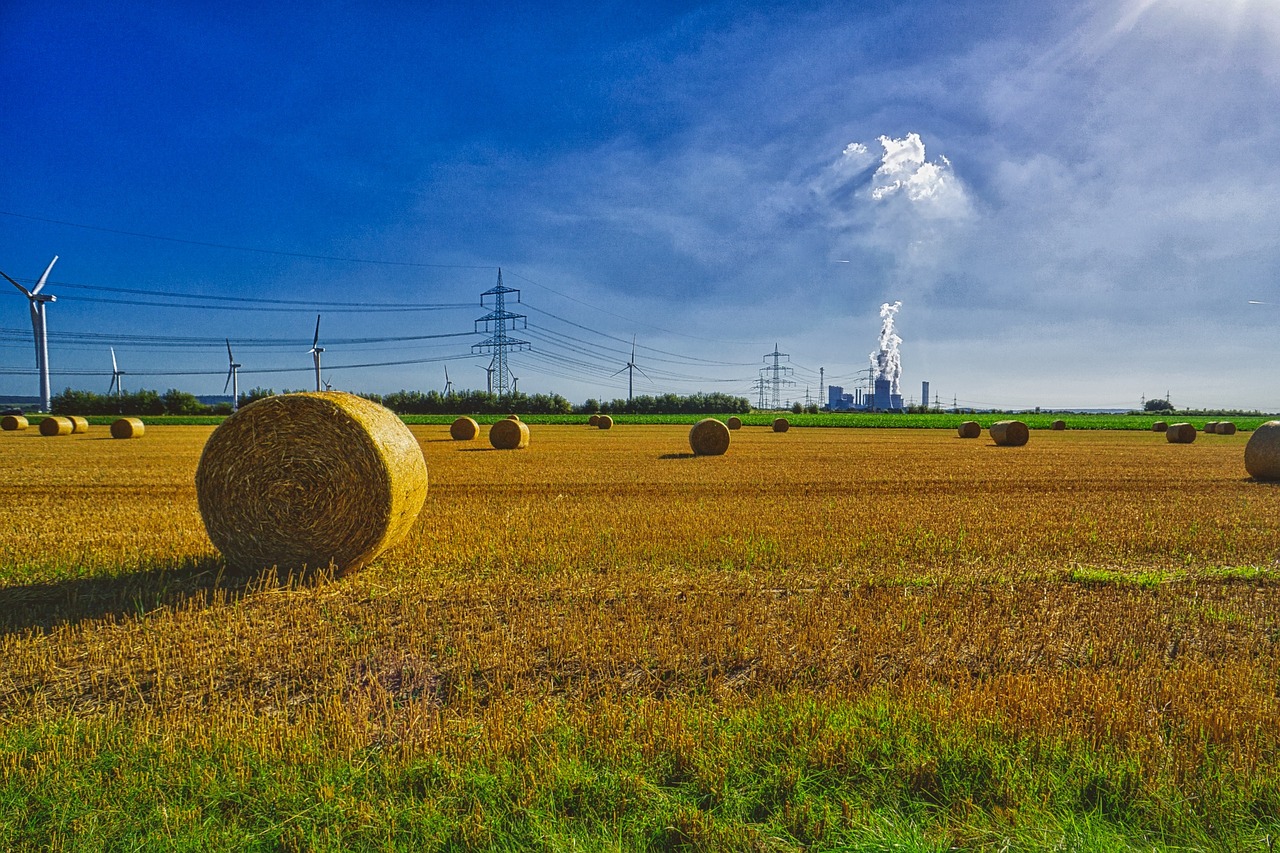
x=829 y=637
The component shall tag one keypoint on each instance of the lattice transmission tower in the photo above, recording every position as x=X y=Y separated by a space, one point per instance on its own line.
x=775 y=376
x=499 y=342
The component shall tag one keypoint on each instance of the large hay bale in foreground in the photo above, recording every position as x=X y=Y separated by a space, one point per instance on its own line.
x=605 y=422
x=1159 y=426
x=1058 y=425
x=508 y=434
x=734 y=422
x=969 y=429
x=781 y=424
x=709 y=437
x=9 y=423
x=1180 y=434
x=1009 y=433
x=1210 y=427
x=464 y=429
x=54 y=425
x=128 y=428
x=1262 y=453
x=594 y=421
x=308 y=481
x=78 y=424
x=1226 y=428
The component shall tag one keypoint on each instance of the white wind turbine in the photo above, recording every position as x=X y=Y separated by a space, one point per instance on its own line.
x=315 y=351
x=37 y=301
x=116 y=384
x=631 y=369
x=233 y=378
x=448 y=383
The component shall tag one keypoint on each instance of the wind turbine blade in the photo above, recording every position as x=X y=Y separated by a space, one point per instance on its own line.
x=645 y=375
x=227 y=384
x=44 y=277
x=25 y=292
x=315 y=341
x=230 y=357
x=633 y=348
x=115 y=368
x=611 y=375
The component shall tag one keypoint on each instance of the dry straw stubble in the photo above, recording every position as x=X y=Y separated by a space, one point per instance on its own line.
x=969 y=429
x=508 y=434
x=1183 y=433
x=55 y=425
x=709 y=437
x=1010 y=433
x=128 y=428
x=305 y=481
x=464 y=429
x=1262 y=453
x=10 y=423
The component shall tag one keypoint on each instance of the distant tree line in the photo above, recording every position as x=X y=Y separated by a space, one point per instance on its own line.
x=175 y=402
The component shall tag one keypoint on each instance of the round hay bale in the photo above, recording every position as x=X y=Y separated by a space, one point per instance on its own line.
x=464 y=429
x=1262 y=453
x=513 y=417
x=1210 y=427
x=734 y=422
x=969 y=429
x=594 y=420
x=78 y=424
x=1159 y=426
x=1009 y=433
x=305 y=481
x=1226 y=428
x=709 y=437
x=605 y=422
x=1180 y=434
x=9 y=423
x=508 y=434
x=127 y=428
x=54 y=425
x=781 y=424
x=1058 y=425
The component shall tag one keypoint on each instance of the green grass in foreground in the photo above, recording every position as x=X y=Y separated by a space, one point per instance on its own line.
x=771 y=773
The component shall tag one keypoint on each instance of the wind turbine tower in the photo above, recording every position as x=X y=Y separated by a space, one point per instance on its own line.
x=448 y=383
x=233 y=379
x=315 y=351
x=631 y=369
x=117 y=384
x=36 y=301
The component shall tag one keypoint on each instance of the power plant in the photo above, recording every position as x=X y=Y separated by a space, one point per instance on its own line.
x=883 y=392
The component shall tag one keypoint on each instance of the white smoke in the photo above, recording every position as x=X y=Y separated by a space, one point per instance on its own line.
x=887 y=362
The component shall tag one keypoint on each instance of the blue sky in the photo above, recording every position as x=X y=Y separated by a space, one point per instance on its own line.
x=1074 y=202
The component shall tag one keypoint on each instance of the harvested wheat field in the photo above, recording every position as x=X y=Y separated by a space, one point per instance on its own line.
x=854 y=638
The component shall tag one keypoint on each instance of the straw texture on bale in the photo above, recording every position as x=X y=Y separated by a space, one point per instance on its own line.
x=464 y=429
x=594 y=420
x=1262 y=453
x=781 y=424
x=1226 y=428
x=969 y=429
x=1180 y=434
x=508 y=434
x=127 y=428
x=513 y=417
x=309 y=480
x=709 y=437
x=734 y=422
x=1159 y=426
x=1059 y=425
x=13 y=422
x=78 y=424
x=55 y=425
x=1210 y=427
x=605 y=422
x=1009 y=433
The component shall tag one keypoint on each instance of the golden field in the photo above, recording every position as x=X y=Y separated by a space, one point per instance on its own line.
x=1101 y=589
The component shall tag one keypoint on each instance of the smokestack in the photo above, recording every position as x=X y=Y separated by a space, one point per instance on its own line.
x=924 y=393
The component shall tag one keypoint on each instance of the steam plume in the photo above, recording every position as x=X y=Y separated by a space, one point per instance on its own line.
x=887 y=363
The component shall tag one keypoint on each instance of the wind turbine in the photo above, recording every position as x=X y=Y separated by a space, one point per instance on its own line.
x=489 y=376
x=631 y=368
x=36 y=301
x=315 y=351
x=448 y=384
x=515 y=384
x=116 y=384
x=233 y=379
